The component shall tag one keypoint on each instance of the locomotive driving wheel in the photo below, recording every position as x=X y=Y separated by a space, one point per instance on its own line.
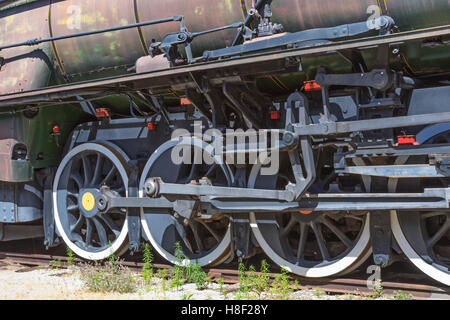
x=203 y=239
x=424 y=236
x=87 y=232
x=310 y=244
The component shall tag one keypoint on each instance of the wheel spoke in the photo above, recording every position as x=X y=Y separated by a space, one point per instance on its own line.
x=86 y=170
x=109 y=176
x=302 y=241
x=102 y=236
x=78 y=180
x=285 y=231
x=76 y=237
x=320 y=241
x=73 y=208
x=194 y=227
x=351 y=216
x=115 y=229
x=431 y=215
x=72 y=195
x=120 y=190
x=89 y=231
x=442 y=231
x=97 y=171
x=330 y=225
x=77 y=226
x=211 y=170
x=210 y=230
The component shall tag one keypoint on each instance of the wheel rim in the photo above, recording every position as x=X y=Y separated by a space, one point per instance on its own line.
x=87 y=232
x=424 y=237
x=312 y=245
x=207 y=242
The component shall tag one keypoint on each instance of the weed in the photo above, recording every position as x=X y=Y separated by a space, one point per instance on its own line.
x=162 y=273
x=186 y=271
x=296 y=285
x=349 y=297
x=178 y=274
x=112 y=277
x=195 y=274
x=318 y=292
x=280 y=288
x=164 y=286
x=70 y=257
x=262 y=280
x=221 y=282
x=55 y=264
x=377 y=289
x=243 y=291
x=147 y=268
x=187 y=296
x=400 y=295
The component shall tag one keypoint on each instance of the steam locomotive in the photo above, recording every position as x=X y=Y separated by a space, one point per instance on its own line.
x=317 y=132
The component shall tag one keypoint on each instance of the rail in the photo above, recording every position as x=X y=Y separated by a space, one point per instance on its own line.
x=231 y=276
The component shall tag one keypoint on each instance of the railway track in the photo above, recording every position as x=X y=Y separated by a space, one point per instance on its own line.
x=231 y=276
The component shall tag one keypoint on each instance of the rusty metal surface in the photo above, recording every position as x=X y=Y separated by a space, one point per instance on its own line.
x=13 y=170
x=24 y=68
x=165 y=78
x=94 y=55
x=408 y=14
x=113 y=53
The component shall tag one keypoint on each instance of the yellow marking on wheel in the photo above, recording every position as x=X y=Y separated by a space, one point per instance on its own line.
x=88 y=201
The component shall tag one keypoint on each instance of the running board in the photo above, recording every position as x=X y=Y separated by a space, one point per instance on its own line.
x=400 y=171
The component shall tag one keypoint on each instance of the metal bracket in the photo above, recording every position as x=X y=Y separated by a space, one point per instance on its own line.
x=303 y=180
x=241 y=236
x=381 y=237
x=48 y=218
x=379 y=79
x=442 y=161
x=133 y=214
x=185 y=208
x=170 y=42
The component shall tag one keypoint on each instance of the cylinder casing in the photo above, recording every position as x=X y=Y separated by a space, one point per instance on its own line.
x=113 y=53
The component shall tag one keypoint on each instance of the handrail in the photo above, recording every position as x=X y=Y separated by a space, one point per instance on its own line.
x=37 y=41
